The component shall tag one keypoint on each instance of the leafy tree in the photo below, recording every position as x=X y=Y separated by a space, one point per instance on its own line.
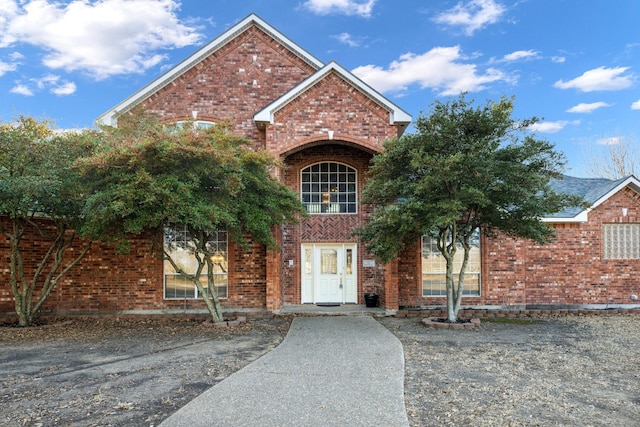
x=39 y=190
x=150 y=178
x=465 y=169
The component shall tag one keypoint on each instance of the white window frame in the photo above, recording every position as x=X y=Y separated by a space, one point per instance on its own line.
x=333 y=196
x=197 y=124
x=221 y=274
x=438 y=289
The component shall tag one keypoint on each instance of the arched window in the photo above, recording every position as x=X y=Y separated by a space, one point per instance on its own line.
x=329 y=188
x=198 y=124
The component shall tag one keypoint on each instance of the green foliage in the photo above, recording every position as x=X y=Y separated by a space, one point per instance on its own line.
x=38 y=182
x=465 y=168
x=148 y=176
x=37 y=177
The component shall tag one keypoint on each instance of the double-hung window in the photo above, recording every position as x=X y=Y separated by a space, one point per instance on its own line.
x=434 y=268
x=179 y=246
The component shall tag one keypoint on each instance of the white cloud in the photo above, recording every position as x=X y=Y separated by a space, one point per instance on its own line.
x=5 y=67
x=8 y=10
x=102 y=38
x=587 y=108
x=21 y=89
x=49 y=82
x=440 y=69
x=611 y=140
x=600 y=78
x=472 y=15
x=65 y=88
x=520 y=55
x=558 y=59
x=552 y=127
x=347 y=39
x=636 y=105
x=341 y=7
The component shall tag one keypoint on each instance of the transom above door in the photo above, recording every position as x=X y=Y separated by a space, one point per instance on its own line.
x=329 y=273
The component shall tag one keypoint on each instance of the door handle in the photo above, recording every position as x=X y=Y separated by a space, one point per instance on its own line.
x=340 y=275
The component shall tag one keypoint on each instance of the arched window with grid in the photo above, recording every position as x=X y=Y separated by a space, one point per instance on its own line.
x=329 y=188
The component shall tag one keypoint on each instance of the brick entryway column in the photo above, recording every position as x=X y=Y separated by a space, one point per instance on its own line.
x=391 y=285
x=274 y=284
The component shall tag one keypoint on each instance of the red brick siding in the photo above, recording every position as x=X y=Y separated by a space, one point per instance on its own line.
x=568 y=271
x=105 y=281
x=325 y=228
x=218 y=90
x=330 y=105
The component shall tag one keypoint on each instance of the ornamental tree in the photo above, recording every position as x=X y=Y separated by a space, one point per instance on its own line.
x=40 y=193
x=465 y=169
x=154 y=178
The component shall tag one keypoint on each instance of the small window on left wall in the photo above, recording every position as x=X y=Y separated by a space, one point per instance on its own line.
x=177 y=241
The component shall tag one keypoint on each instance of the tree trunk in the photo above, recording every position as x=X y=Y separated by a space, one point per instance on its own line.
x=213 y=303
x=447 y=247
x=30 y=295
x=452 y=307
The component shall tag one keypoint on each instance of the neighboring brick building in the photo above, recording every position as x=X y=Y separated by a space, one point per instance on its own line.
x=325 y=124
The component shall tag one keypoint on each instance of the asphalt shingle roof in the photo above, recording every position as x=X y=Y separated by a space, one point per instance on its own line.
x=590 y=189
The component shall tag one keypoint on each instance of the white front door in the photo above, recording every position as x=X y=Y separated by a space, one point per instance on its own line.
x=329 y=273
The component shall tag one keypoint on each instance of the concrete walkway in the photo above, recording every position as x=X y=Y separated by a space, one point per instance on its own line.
x=328 y=371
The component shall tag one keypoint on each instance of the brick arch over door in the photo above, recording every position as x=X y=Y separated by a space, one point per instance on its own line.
x=338 y=139
x=324 y=228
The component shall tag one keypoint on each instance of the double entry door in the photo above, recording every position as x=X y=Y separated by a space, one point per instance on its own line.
x=329 y=273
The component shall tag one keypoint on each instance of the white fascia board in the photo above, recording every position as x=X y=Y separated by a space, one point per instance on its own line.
x=396 y=114
x=631 y=181
x=581 y=217
x=109 y=118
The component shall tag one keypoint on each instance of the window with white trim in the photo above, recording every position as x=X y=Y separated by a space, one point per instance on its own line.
x=621 y=241
x=178 y=243
x=197 y=124
x=329 y=188
x=434 y=268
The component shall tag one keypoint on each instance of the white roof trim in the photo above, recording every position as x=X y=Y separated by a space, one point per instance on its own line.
x=582 y=216
x=396 y=114
x=109 y=118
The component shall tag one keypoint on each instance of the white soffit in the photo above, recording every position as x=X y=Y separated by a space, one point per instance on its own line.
x=109 y=118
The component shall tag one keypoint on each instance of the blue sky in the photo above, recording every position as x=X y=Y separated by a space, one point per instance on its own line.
x=573 y=63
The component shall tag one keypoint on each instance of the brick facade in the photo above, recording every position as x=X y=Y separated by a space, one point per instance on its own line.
x=333 y=119
x=233 y=83
x=569 y=271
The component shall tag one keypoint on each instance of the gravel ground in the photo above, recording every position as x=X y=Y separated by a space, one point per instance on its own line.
x=120 y=373
x=568 y=371
x=573 y=371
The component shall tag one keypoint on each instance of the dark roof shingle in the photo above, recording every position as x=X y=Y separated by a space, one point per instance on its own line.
x=590 y=189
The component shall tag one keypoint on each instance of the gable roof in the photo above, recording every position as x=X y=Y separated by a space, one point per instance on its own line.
x=593 y=190
x=110 y=117
x=397 y=116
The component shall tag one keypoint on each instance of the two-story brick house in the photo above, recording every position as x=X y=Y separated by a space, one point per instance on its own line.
x=323 y=122
x=325 y=125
